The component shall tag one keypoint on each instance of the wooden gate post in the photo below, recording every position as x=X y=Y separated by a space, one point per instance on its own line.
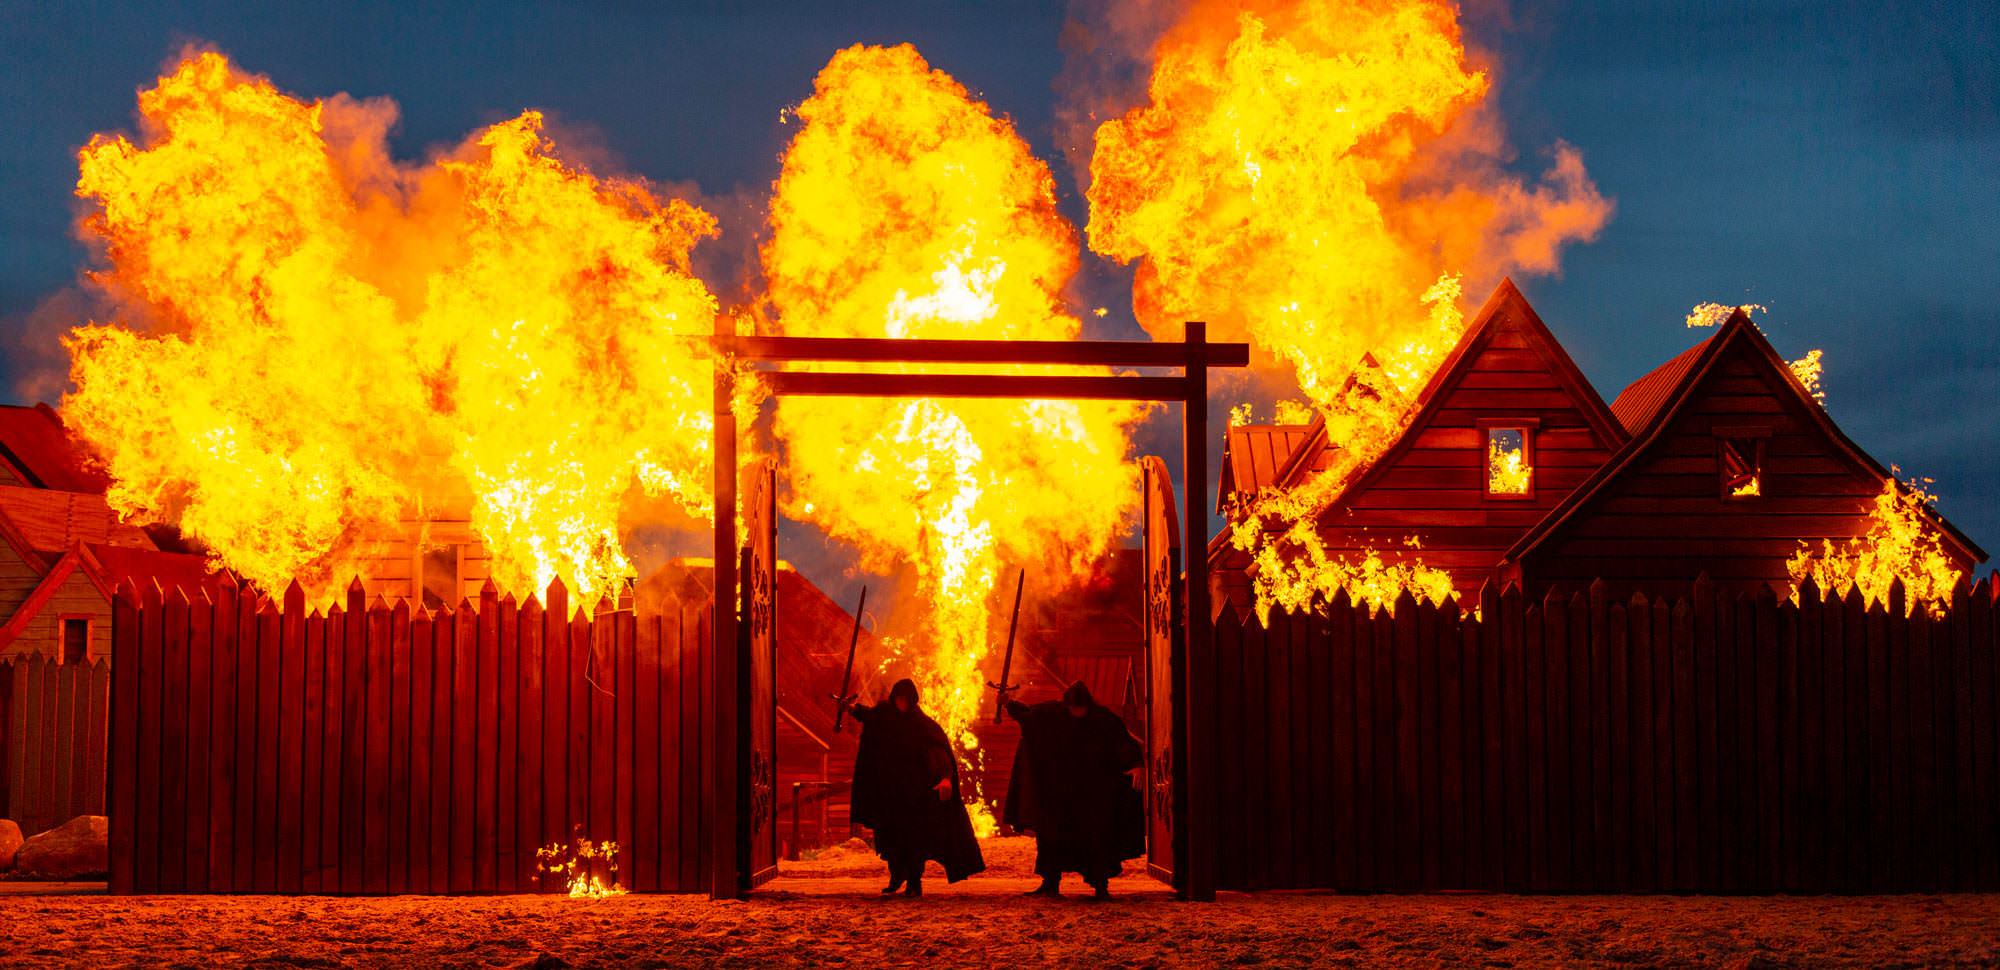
x=724 y=880
x=1199 y=685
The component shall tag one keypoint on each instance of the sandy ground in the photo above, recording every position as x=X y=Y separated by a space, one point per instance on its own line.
x=826 y=912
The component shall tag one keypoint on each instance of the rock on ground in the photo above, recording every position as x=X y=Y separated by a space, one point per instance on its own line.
x=10 y=843
x=78 y=848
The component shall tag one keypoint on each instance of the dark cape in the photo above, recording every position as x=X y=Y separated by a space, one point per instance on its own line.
x=901 y=757
x=1070 y=788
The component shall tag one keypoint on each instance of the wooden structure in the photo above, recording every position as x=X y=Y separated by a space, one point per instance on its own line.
x=736 y=677
x=1715 y=743
x=1507 y=372
x=53 y=720
x=259 y=747
x=1645 y=494
x=62 y=548
x=1725 y=417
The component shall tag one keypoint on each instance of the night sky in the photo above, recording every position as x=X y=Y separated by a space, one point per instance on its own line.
x=1836 y=162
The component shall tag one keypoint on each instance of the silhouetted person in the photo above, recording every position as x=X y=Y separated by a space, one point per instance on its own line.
x=1070 y=787
x=906 y=789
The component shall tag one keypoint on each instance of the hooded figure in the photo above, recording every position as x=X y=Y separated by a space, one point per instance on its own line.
x=1070 y=787
x=906 y=790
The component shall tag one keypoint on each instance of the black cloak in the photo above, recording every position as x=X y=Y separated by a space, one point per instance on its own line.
x=901 y=758
x=1070 y=788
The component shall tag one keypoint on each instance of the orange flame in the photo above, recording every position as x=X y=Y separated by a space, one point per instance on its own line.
x=906 y=209
x=1901 y=544
x=1313 y=176
x=317 y=342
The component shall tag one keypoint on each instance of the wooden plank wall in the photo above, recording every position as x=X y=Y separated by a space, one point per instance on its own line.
x=1715 y=744
x=259 y=747
x=52 y=729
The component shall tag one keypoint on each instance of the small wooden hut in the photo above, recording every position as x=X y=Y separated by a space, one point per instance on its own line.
x=1508 y=394
x=1732 y=463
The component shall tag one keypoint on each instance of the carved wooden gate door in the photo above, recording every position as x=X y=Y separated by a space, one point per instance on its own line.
x=1166 y=654
x=758 y=639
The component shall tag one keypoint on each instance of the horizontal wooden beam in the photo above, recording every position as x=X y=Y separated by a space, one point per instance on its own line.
x=1106 y=353
x=1054 y=387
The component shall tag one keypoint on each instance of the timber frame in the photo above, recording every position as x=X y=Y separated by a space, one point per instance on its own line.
x=1192 y=357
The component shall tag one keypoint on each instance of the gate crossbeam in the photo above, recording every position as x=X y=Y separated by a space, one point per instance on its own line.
x=1193 y=357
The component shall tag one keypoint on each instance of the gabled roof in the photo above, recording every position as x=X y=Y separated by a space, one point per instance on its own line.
x=1654 y=400
x=1254 y=454
x=1506 y=304
x=45 y=591
x=54 y=520
x=34 y=441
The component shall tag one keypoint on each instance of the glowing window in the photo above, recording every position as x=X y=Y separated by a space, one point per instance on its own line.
x=1740 y=462
x=1509 y=469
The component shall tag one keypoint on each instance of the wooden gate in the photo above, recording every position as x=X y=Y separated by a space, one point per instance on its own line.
x=758 y=764
x=1165 y=660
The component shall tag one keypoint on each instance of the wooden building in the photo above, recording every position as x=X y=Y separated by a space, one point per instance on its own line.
x=1717 y=461
x=1731 y=465
x=1506 y=393
x=62 y=549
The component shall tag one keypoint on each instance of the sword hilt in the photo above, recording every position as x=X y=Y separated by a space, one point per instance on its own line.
x=840 y=703
x=1000 y=705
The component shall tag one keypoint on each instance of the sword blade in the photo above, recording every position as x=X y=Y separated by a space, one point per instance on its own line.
x=847 y=673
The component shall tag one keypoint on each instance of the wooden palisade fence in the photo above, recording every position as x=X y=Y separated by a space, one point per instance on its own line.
x=1584 y=743
x=1712 y=744
x=264 y=748
x=52 y=730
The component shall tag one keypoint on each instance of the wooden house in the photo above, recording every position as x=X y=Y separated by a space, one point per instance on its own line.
x=1732 y=463
x=63 y=550
x=1506 y=428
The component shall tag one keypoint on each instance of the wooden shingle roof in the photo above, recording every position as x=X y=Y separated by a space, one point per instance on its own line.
x=1254 y=455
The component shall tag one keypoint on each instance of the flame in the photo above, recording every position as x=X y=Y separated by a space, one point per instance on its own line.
x=1507 y=470
x=1314 y=176
x=1806 y=369
x=316 y=342
x=1901 y=544
x=578 y=866
x=904 y=208
x=1715 y=314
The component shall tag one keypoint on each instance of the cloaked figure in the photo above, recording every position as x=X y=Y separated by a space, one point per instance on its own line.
x=906 y=790
x=1071 y=787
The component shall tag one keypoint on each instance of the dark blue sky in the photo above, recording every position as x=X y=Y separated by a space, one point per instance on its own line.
x=1837 y=162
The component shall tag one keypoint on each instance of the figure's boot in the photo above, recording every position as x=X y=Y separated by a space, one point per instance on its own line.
x=1100 y=889
x=896 y=879
x=916 y=887
x=1051 y=886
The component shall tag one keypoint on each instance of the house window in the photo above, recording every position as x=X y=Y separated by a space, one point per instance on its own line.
x=441 y=587
x=1510 y=466
x=75 y=640
x=1740 y=465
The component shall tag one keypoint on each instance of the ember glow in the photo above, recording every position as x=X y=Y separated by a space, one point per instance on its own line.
x=1314 y=176
x=1807 y=369
x=906 y=209
x=317 y=342
x=589 y=870
x=1902 y=543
